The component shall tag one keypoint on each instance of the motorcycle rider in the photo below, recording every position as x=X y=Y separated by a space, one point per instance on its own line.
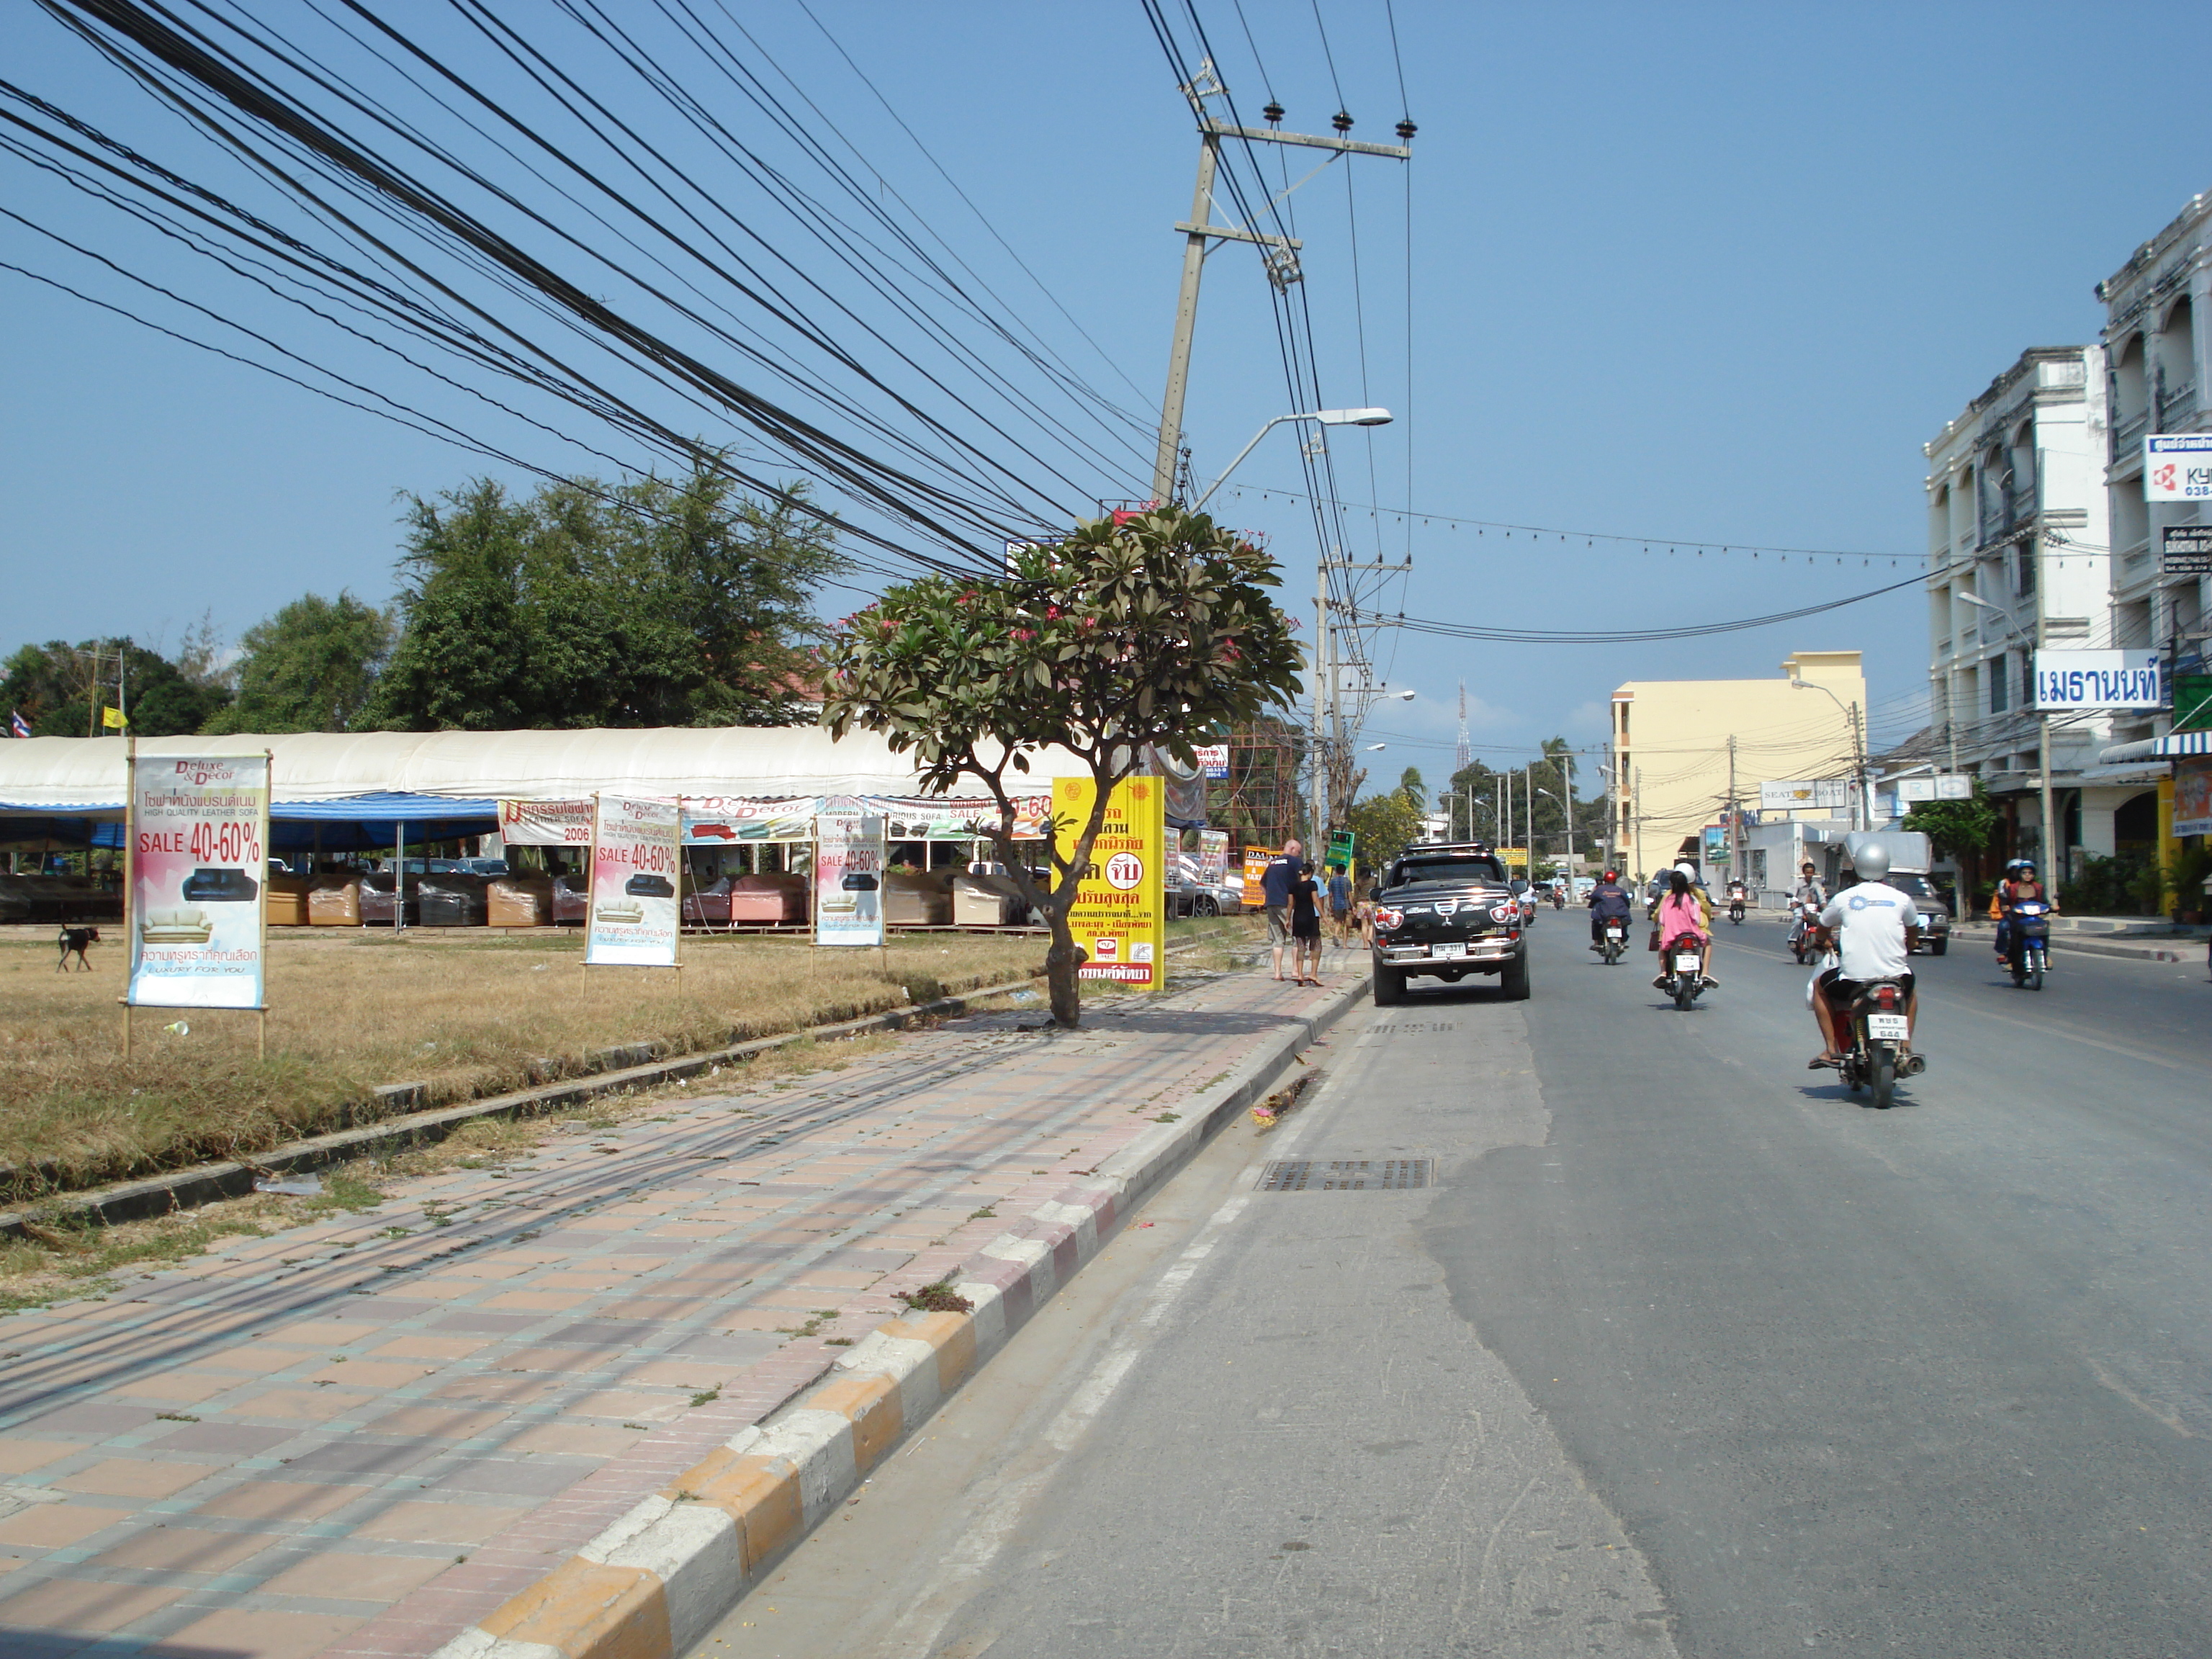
x=1739 y=895
x=2019 y=883
x=1608 y=902
x=1806 y=901
x=1685 y=910
x=1875 y=927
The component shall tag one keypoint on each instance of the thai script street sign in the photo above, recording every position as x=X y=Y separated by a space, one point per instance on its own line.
x=2098 y=679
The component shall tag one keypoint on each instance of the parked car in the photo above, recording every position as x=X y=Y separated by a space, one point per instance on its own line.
x=1189 y=896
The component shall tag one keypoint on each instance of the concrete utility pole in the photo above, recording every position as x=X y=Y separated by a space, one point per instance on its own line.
x=1734 y=819
x=1280 y=252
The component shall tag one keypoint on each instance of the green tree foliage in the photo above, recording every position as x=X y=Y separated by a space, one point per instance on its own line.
x=311 y=667
x=1157 y=630
x=649 y=602
x=1385 y=825
x=1550 y=773
x=53 y=686
x=1414 y=789
x=1963 y=830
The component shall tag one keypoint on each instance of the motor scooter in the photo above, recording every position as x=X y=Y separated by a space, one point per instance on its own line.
x=2030 y=943
x=1881 y=1049
x=1613 y=939
x=1682 y=967
x=1802 y=919
x=1735 y=906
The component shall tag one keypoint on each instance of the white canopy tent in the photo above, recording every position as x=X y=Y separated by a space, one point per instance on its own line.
x=83 y=776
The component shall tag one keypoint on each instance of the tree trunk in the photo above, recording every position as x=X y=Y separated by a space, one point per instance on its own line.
x=1061 y=963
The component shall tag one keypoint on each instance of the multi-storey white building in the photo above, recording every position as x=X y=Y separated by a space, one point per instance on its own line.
x=2018 y=556
x=2159 y=360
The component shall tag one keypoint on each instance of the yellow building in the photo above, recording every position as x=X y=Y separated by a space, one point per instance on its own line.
x=1677 y=744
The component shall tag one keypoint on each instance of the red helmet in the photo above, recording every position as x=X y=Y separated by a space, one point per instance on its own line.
x=1613 y=875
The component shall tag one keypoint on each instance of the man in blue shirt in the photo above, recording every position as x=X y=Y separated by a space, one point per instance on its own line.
x=1275 y=898
x=1339 y=891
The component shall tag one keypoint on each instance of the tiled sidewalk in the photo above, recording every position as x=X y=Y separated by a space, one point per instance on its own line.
x=356 y=1437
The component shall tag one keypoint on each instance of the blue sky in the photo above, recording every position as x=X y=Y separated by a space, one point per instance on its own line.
x=1711 y=272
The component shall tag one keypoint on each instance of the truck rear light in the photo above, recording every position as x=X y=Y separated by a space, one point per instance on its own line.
x=1886 y=996
x=1387 y=918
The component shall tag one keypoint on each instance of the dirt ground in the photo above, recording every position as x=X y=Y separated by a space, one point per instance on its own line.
x=467 y=1012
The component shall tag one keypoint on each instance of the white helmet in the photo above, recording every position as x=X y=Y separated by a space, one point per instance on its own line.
x=1688 y=870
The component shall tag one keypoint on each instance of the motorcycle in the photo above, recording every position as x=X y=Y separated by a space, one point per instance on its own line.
x=2031 y=942
x=1736 y=909
x=1880 y=1037
x=1559 y=898
x=1683 y=967
x=1615 y=940
x=1802 y=917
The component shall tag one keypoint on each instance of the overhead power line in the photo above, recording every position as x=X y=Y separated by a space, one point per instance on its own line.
x=1625 y=636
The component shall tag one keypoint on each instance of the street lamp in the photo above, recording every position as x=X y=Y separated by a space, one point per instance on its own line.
x=2050 y=849
x=1324 y=417
x=1372 y=747
x=1851 y=714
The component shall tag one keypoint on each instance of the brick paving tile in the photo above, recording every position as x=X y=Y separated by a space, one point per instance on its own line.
x=497 y=1364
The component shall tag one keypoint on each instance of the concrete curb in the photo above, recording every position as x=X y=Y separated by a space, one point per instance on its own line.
x=205 y=1184
x=653 y=1583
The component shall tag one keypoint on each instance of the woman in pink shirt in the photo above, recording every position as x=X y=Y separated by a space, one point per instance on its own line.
x=1682 y=911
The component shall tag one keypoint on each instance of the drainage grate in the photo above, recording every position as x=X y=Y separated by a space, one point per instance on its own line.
x=1305 y=1175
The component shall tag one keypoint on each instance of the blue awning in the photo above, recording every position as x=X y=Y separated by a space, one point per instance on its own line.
x=350 y=823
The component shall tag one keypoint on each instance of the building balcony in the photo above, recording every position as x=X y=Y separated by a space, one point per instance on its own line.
x=2128 y=430
x=2178 y=401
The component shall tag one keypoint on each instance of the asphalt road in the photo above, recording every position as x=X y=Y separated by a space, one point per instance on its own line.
x=1687 y=1350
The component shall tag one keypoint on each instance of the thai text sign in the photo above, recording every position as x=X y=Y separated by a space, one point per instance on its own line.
x=2178 y=468
x=1212 y=759
x=2184 y=550
x=545 y=823
x=2098 y=679
x=848 y=879
x=198 y=831
x=1117 y=915
x=635 y=867
x=1943 y=786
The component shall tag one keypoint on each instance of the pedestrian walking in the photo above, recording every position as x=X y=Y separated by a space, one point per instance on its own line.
x=1275 y=898
x=1305 y=925
x=1340 y=907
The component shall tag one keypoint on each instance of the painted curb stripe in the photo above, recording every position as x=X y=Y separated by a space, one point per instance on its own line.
x=654 y=1582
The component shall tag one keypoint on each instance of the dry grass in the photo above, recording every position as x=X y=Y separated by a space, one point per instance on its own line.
x=468 y=1014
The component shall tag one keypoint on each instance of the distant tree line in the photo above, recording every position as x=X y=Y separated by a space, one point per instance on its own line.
x=644 y=602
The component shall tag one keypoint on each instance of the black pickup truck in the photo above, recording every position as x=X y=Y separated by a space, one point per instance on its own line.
x=1447 y=909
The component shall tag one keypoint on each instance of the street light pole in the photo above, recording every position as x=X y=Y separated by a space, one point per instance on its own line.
x=1851 y=712
x=1324 y=417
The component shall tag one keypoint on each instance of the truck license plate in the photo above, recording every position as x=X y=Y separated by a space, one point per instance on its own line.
x=1446 y=952
x=1689 y=963
x=1887 y=1028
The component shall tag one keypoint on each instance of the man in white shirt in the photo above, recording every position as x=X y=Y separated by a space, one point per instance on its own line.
x=1875 y=927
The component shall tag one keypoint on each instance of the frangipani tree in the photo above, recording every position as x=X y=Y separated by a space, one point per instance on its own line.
x=1160 y=630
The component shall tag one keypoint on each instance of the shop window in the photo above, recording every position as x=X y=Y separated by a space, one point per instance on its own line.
x=1999 y=686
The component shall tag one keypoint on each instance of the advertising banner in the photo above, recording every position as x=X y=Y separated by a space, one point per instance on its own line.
x=1212 y=857
x=1716 y=843
x=1118 y=916
x=1212 y=758
x=1807 y=795
x=848 y=879
x=2192 y=800
x=635 y=867
x=199 y=866
x=2177 y=469
x=930 y=817
x=2098 y=679
x=716 y=820
x=545 y=823
x=2192 y=701
x=1256 y=860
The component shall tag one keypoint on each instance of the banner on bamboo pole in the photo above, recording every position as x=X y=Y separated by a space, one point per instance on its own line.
x=199 y=832
x=635 y=867
x=848 y=877
x=1118 y=914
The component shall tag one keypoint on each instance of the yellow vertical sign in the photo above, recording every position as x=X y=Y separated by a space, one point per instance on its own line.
x=1119 y=906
